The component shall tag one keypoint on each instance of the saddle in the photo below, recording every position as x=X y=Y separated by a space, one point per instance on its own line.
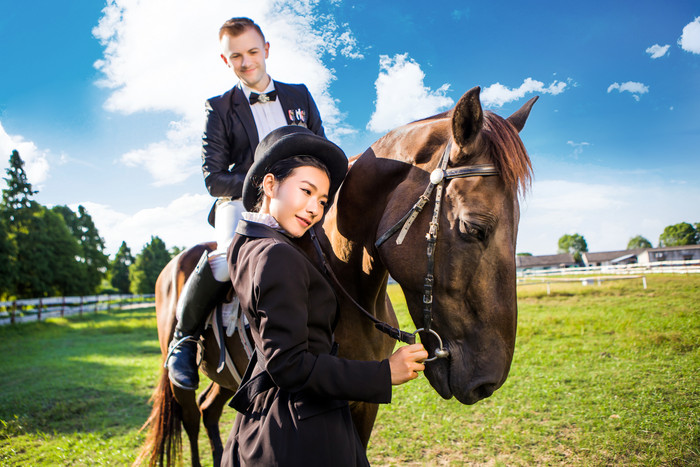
x=225 y=320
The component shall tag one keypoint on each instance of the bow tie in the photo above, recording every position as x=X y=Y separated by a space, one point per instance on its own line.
x=263 y=98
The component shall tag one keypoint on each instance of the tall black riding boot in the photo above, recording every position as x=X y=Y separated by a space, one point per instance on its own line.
x=201 y=293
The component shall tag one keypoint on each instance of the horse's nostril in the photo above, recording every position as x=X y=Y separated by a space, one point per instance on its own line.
x=485 y=390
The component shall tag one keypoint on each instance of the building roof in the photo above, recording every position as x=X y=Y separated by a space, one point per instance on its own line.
x=560 y=260
x=611 y=256
x=675 y=248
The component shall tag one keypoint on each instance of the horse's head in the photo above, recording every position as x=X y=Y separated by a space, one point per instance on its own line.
x=474 y=293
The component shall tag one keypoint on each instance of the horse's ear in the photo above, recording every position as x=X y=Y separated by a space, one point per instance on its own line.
x=519 y=118
x=467 y=119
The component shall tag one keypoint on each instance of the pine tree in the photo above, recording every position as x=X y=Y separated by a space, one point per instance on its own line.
x=17 y=210
x=17 y=202
x=119 y=269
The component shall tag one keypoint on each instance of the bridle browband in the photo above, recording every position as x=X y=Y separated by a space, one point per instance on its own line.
x=438 y=178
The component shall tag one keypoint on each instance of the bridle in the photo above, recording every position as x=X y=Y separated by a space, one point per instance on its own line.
x=438 y=178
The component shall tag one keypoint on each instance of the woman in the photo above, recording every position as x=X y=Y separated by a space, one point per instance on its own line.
x=293 y=398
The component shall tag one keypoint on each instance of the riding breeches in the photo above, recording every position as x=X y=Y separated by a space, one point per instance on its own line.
x=228 y=213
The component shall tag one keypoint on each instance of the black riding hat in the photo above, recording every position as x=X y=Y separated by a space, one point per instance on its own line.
x=290 y=141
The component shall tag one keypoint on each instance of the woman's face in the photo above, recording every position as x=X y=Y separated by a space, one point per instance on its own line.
x=297 y=203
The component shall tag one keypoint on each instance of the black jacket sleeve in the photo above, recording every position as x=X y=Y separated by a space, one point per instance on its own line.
x=281 y=291
x=216 y=150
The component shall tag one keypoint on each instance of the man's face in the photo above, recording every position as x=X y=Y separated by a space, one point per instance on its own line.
x=246 y=54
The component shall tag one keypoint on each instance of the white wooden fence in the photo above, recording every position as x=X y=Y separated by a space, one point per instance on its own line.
x=583 y=280
x=36 y=309
x=659 y=267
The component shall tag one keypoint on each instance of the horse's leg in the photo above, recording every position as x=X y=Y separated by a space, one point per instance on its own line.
x=211 y=405
x=190 y=419
x=363 y=415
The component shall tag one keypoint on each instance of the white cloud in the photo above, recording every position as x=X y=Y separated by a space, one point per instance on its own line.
x=163 y=55
x=180 y=223
x=632 y=87
x=170 y=161
x=578 y=147
x=607 y=215
x=497 y=94
x=657 y=51
x=690 y=39
x=36 y=161
x=402 y=96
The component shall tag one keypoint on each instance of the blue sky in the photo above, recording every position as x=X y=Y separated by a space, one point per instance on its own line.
x=104 y=100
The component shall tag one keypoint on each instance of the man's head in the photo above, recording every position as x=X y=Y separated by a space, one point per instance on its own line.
x=244 y=50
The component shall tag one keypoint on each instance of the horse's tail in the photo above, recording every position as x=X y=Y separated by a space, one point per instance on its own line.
x=164 y=439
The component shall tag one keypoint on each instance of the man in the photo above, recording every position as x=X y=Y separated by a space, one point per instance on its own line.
x=236 y=121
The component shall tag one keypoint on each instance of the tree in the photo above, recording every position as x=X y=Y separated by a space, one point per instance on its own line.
x=148 y=264
x=17 y=202
x=678 y=235
x=46 y=257
x=119 y=269
x=574 y=244
x=176 y=250
x=638 y=242
x=92 y=256
x=7 y=255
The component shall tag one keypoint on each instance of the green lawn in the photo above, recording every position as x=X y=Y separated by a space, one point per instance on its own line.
x=602 y=375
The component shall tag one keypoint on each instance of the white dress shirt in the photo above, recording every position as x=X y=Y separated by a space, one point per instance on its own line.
x=268 y=116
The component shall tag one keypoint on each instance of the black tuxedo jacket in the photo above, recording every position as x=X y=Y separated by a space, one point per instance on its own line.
x=230 y=135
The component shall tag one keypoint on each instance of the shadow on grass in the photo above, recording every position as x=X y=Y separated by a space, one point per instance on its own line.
x=90 y=373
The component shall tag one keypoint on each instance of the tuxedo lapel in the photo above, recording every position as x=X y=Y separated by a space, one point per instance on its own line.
x=293 y=110
x=242 y=110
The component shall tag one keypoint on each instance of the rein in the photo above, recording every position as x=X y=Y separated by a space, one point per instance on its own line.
x=438 y=178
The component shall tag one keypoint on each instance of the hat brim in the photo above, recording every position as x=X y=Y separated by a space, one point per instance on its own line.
x=289 y=141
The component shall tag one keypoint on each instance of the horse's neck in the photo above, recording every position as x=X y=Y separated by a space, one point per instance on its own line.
x=351 y=227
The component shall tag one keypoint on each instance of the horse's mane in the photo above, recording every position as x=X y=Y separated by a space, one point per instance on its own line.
x=508 y=152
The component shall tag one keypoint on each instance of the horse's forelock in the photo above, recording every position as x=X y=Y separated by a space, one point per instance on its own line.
x=508 y=152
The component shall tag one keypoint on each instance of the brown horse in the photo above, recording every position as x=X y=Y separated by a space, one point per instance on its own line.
x=474 y=308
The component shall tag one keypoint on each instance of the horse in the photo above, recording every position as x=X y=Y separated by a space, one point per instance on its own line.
x=459 y=280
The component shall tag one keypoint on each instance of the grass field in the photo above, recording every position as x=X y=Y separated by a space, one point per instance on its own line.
x=602 y=375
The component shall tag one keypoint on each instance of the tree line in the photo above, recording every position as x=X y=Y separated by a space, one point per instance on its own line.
x=56 y=251
x=673 y=235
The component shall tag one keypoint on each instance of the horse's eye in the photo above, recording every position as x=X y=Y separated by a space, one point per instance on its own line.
x=470 y=231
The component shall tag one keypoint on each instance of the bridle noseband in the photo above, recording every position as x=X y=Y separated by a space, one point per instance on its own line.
x=438 y=178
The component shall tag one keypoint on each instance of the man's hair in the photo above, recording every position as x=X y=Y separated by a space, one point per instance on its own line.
x=237 y=26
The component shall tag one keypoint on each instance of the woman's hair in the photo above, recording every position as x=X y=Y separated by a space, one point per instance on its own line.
x=283 y=169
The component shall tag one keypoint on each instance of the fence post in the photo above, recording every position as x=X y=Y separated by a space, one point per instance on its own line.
x=63 y=305
x=38 y=314
x=548 y=290
x=81 y=305
x=644 y=281
x=108 y=303
x=13 y=311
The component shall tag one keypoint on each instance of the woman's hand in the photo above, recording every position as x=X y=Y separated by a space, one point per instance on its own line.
x=406 y=362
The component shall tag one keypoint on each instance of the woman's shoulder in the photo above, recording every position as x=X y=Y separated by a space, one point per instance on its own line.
x=271 y=248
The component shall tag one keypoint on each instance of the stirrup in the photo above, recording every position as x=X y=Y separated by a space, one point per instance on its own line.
x=174 y=345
